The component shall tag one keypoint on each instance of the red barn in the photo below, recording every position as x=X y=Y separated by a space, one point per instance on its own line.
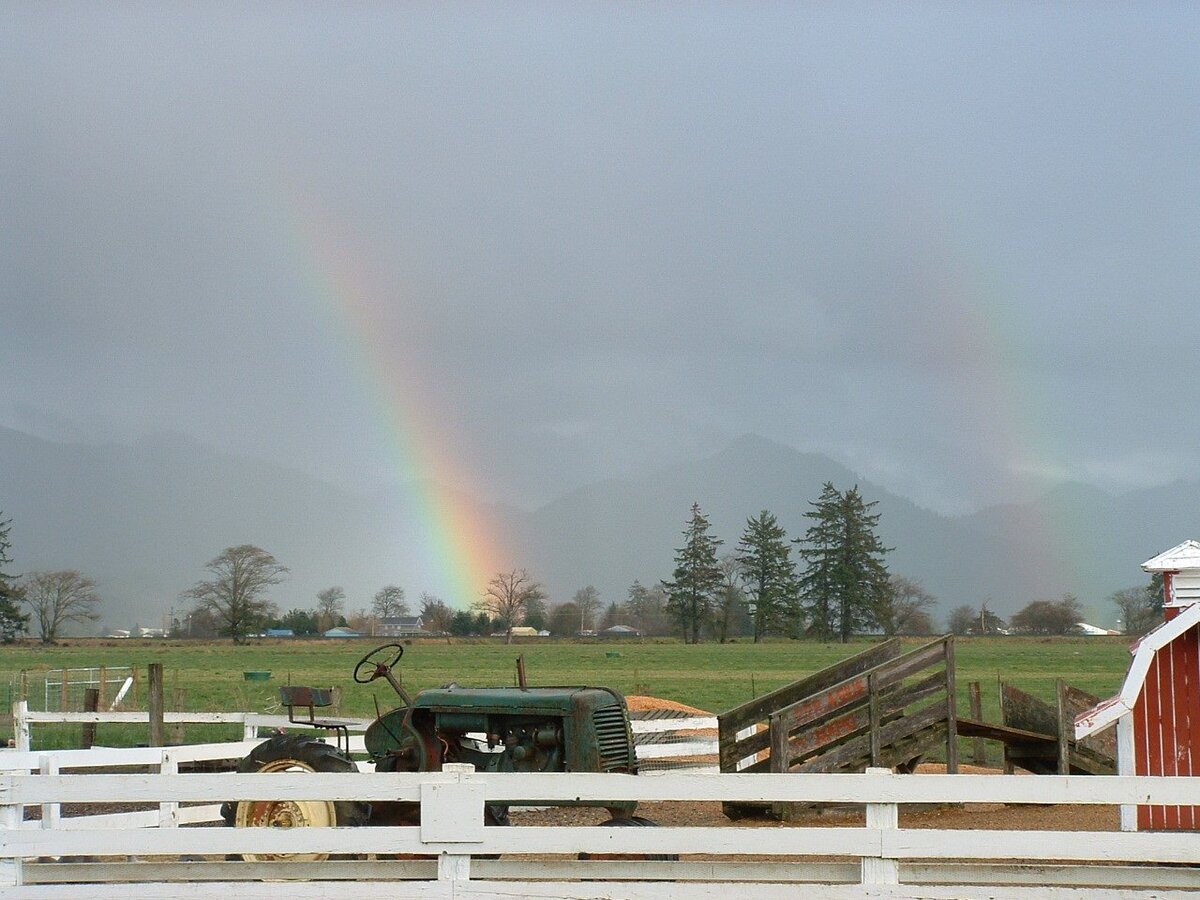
x=1157 y=712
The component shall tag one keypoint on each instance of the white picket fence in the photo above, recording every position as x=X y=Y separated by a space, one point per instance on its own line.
x=878 y=859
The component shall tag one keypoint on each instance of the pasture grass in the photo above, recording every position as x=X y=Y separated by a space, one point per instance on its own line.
x=711 y=676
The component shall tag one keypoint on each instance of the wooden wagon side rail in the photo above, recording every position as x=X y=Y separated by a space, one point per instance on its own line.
x=867 y=710
x=870 y=719
x=749 y=716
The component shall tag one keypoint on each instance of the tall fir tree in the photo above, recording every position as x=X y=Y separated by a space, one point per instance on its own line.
x=13 y=622
x=768 y=575
x=820 y=549
x=867 y=578
x=698 y=577
x=846 y=579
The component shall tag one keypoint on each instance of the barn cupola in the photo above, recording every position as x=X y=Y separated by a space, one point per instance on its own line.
x=1180 y=569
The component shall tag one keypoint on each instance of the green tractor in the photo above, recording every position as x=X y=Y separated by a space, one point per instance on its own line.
x=522 y=729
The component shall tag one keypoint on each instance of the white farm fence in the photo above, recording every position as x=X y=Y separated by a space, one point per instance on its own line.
x=686 y=742
x=446 y=852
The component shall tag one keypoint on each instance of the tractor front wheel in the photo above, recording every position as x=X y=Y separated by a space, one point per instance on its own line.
x=294 y=753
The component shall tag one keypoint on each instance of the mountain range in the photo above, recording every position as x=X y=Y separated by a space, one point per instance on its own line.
x=143 y=519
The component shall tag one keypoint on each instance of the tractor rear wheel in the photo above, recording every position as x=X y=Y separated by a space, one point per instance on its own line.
x=631 y=822
x=294 y=753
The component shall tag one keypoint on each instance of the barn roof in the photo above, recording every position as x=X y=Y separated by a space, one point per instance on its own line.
x=1107 y=712
x=1185 y=556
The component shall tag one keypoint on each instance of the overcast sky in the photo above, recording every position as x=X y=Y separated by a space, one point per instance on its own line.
x=527 y=246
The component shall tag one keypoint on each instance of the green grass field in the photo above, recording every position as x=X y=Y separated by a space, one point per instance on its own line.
x=713 y=677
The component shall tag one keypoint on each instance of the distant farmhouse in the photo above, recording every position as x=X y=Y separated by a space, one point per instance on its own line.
x=620 y=631
x=400 y=626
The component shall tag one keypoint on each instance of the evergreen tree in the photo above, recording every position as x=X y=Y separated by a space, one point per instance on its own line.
x=820 y=548
x=768 y=574
x=13 y=622
x=867 y=579
x=698 y=578
x=846 y=580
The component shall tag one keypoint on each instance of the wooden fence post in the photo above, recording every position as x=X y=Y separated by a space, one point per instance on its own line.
x=155 y=704
x=877 y=869
x=21 y=724
x=91 y=702
x=102 y=686
x=177 y=701
x=979 y=754
x=66 y=683
x=1066 y=727
x=873 y=714
x=780 y=761
x=951 y=712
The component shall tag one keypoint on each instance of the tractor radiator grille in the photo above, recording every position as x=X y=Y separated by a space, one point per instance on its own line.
x=612 y=734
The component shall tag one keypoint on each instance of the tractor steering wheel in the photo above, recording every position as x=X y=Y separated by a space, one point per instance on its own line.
x=372 y=665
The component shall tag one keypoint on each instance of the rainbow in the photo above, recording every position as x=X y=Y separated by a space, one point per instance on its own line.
x=459 y=552
x=979 y=342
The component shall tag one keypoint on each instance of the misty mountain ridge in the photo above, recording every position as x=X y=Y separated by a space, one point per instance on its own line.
x=143 y=519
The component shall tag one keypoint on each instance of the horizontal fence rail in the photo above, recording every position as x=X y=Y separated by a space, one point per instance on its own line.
x=878 y=859
x=680 y=742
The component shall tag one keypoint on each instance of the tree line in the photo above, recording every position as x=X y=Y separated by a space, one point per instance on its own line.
x=836 y=585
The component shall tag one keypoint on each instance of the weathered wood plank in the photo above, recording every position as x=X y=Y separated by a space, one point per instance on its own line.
x=810 y=709
x=897 y=700
x=853 y=751
x=1024 y=711
x=951 y=710
x=896 y=670
x=734 y=720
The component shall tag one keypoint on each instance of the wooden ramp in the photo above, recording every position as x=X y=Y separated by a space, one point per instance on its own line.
x=886 y=706
x=1039 y=736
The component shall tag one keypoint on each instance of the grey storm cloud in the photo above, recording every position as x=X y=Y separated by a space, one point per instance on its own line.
x=952 y=247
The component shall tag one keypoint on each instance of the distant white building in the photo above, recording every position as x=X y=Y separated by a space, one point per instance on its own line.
x=400 y=626
x=620 y=631
x=1085 y=628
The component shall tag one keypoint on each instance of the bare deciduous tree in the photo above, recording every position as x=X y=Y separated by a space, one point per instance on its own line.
x=1049 y=616
x=905 y=607
x=506 y=597
x=1140 y=608
x=962 y=619
x=236 y=595
x=436 y=616
x=389 y=601
x=587 y=602
x=330 y=603
x=730 y=604
x=56 y=598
